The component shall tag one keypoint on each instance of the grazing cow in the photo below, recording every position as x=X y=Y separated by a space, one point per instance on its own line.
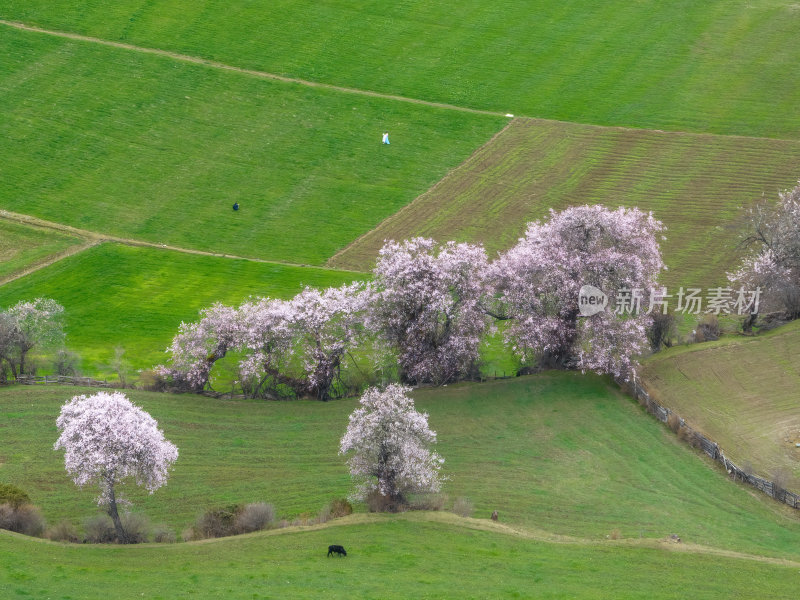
x=494 y=516
x=335 y=548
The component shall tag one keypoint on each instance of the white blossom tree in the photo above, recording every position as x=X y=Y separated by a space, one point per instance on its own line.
x=427 y=305
x=26 y=325
x=537 y=283
x=773 y=264
x=390 y=445
x=106 y=440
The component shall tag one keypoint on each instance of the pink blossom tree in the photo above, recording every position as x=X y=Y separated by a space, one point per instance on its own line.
x=106 y=439
x=428 y=306
x=390 y=445
x=327 y=325
x=537 y=283
x=198 y=346
x=773 y=265
x=27 y=325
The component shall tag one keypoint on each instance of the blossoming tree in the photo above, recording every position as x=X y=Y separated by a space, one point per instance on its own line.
x=427 y=305
x=107 y=439
x=538 y=283
x=774 y=262
x=26 y=325
x=390 y=445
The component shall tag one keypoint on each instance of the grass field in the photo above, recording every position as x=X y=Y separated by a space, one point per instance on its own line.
x=408 y=556
x=134 y=297
x=147 y=147
x=548 y=452
x=22 y=247
x=696 y=184
x=742 y=393
x=720 y=66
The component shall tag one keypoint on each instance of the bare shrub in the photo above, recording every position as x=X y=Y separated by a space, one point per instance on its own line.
x=121 y=366
x=66 y=363
x=151 y=381
x=254 y=517
x=163 y=535
x=340 y=507
x=136 y=526
x=615 y=534
x=463 y=507
x=377 y=502
x=662 y=331
x=25 y=519
x=217 y=522
x=189 y=534
x=63 y=532
x=708 y=329
x=428 y=502
x=100 y=529
x=324 y=514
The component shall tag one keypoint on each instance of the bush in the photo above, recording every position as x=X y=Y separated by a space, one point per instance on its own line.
x=11 y=494
x=673 y=422
x=25 y=519
x=163 y=535
x=136 y=526
x=66 y=363
x=462 y=507
x=217 y=522
x=428 y=502
x=377 y=502
x=254 y=517
x=151 y=381
x=100 y=529
x=708 y=329
x=662 y=331
x=63 y=532
x=340 y=507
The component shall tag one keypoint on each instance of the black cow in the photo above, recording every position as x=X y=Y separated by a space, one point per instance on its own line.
x=335 y=548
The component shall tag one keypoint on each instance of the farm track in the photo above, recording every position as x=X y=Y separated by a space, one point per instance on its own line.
x=483 y=525
x=93 y=238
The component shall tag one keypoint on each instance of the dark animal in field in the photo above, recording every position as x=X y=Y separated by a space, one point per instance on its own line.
x=336 y=549
x=494 y=516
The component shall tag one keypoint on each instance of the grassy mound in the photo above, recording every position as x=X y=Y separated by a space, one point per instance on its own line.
x=723 y=66
x=561 y=452
x=742 y=393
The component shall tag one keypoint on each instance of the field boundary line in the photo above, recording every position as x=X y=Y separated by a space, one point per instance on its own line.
x=94 y=238
x=452 y=172
x=253 y=72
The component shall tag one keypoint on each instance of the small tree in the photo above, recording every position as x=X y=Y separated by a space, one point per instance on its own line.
x=26 y=325
x=390 y=443
x=106 y=440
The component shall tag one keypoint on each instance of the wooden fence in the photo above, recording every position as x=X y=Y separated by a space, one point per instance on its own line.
x=710 y=447
x=61 y=380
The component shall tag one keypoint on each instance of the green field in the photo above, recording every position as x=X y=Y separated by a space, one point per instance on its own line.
x=742 y=393
x=134 y=297
x=722 y=66
x=147 y=147
x=696 y=184
x=23 y=247
x=548 y=452
x=408 y=556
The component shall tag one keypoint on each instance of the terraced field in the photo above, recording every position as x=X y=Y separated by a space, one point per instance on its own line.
x=696 y=184
x=743 y=394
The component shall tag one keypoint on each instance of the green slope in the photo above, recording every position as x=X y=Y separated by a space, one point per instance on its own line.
x=742 y=393
x=22 y=247
x=719 y=66
x=147 y=147
x=561 y=452
x=136 y=297
x=406 y=556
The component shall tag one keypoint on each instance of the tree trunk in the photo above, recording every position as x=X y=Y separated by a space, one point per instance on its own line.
x=114 y=514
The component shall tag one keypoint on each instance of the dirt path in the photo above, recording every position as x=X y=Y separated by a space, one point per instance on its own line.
x=255 y=73
x=93 y=238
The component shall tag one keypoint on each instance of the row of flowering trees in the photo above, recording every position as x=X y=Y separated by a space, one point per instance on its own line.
x=429 y=306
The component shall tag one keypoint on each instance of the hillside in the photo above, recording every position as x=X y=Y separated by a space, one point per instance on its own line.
x=742 y=393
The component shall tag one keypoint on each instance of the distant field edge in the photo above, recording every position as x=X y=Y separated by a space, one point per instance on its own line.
x=253 y=72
